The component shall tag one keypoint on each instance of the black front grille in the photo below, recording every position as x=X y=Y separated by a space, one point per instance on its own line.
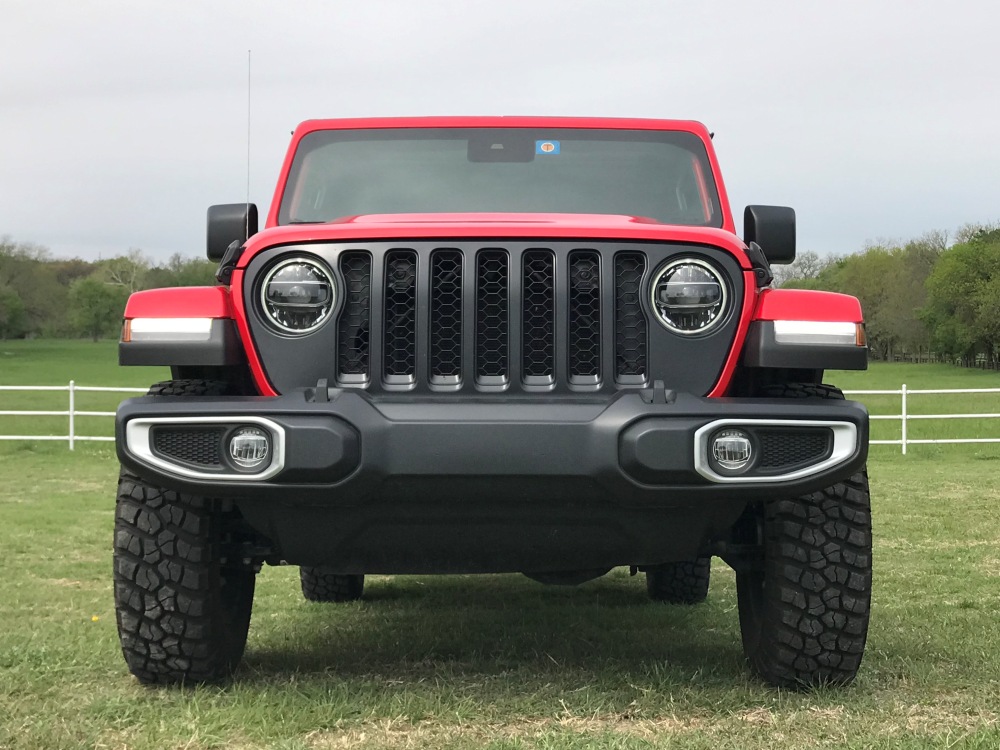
x=446 y=316
x=783 y=450
x=492 y=317
x=538 y=316
x=584 y=316
x=191 y=445
x=630 y=323
x=487 y=316
x=355 y=319
x=400 y=315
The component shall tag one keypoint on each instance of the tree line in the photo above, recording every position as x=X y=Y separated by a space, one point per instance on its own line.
x=924 y=297
x=45 y=296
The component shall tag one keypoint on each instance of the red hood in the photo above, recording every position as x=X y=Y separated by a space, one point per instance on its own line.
x=486 y=225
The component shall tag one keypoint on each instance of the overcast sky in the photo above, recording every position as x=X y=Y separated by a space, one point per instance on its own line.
x=121 y=121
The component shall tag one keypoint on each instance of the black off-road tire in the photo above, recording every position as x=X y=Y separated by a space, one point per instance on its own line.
x=804 y=608
x=680 y=582
x=183 y=607
x=190 y=388
x=321 y=585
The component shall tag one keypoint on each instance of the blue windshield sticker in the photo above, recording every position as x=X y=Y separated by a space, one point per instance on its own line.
x=546 y=147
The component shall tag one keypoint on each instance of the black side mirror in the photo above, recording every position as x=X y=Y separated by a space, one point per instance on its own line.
x=773 y=228
x=228 y=223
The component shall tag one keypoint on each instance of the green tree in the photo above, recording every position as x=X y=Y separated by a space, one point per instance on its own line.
x=182 y=271
x=27 y=270
x=806 y=266
x=963 y=298
x=96 y=306
x=13 y=316
x=127 y=271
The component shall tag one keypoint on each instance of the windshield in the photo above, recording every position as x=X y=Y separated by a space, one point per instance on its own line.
x=662 y=175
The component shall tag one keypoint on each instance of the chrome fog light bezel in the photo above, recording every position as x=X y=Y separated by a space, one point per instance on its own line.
x=845 y=446
x=138 y=443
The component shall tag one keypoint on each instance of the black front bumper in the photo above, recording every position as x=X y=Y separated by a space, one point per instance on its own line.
x=635 y=449
x=436 y=485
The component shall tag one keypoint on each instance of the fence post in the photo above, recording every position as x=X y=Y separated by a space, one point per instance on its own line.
x=72 y=415
x=904 y=419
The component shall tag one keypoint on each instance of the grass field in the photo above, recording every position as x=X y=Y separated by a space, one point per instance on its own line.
x=499 y=661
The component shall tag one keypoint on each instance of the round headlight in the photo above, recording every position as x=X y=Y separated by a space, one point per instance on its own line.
x=689 y=296
x=297 y=295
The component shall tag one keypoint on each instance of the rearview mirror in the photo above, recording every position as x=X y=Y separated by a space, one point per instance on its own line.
x=773 y=228
x=228 y=223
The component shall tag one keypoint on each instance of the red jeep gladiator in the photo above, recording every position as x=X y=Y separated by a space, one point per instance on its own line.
x=487 y=345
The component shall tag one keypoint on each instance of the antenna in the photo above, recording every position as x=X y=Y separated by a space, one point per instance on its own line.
x=247 y=230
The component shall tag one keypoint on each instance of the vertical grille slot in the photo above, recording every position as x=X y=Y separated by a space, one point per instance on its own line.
x=584 y=317
x=400 y=316
x=446 y=316
x=353 y=337
x=492 y=319
x=630 y=322
x=538 y=317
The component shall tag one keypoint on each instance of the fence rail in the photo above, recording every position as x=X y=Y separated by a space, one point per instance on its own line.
x=70 y=413
x=904 y=417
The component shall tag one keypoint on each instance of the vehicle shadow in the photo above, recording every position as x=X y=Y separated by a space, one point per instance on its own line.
x=468 y=627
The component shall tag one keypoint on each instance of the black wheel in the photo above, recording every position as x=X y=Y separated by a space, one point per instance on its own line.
x=804 y=608
x=321 y=585
x=680 y=582
x=182 y=605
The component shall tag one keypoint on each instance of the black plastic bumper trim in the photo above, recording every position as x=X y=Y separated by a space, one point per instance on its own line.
x=762 y=350
x=223 y=347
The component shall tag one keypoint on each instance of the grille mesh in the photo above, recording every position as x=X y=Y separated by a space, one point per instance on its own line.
x=446 y=315
x=354 y=328
x=780 y=449
x=492 y=321
x=400 y=322
x=538 y=314
x=192 y=445
x=584 y=315
x=630 y=323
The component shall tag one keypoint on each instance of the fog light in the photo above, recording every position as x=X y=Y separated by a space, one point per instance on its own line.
x=249 y=447
x=732 y=450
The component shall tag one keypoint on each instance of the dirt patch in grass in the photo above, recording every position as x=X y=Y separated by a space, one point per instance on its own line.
x=402 y=735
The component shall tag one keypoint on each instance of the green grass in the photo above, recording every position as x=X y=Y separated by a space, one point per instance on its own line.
x=498 y=661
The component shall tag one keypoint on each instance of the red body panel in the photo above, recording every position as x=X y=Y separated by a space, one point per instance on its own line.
x=264 y=387
x=746 y=314
x=807 y=304
x=180 y=302
x=597 y=123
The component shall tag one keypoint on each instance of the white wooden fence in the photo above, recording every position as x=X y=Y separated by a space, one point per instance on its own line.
x=70 y=413
x=904 y=416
